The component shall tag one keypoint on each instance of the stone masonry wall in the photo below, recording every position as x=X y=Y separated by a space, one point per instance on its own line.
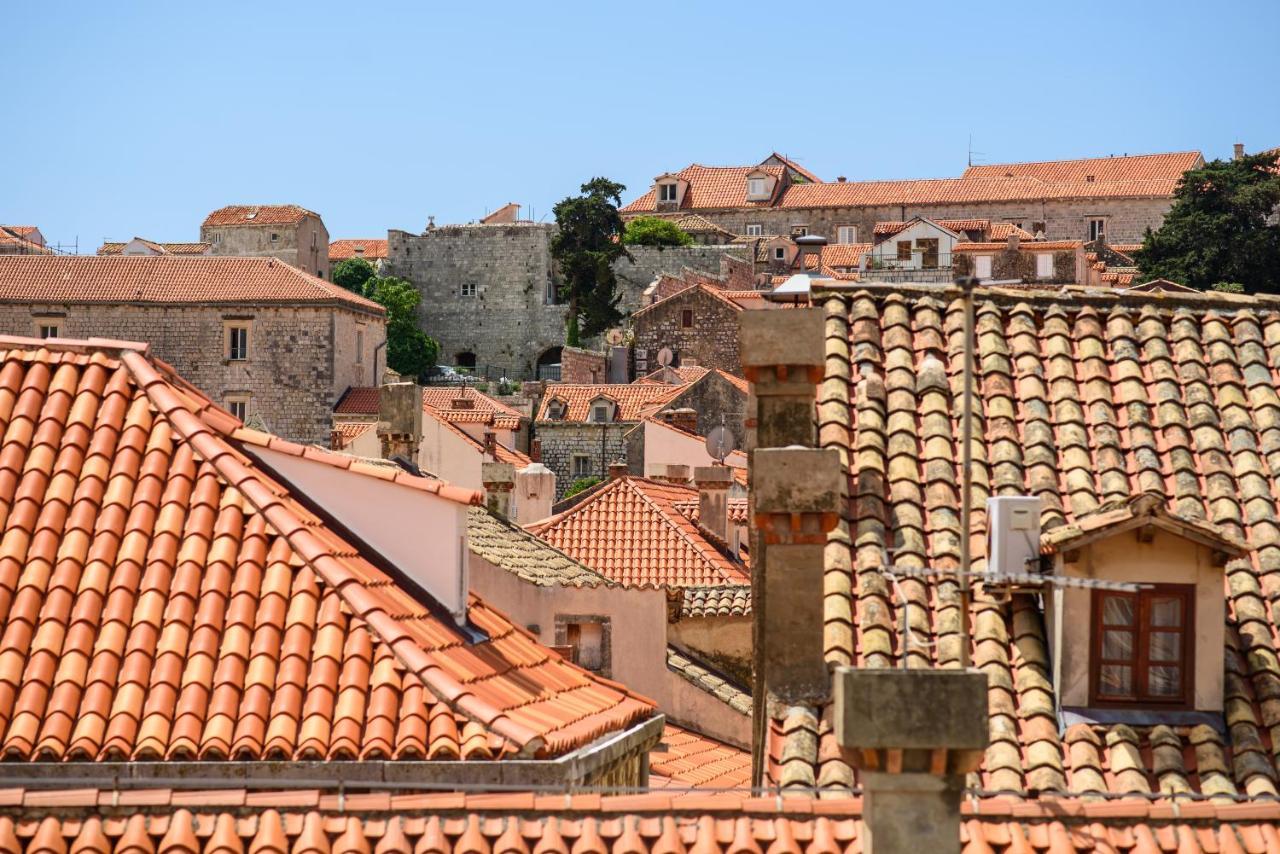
x=650 y=261
x=582 y=367
x=1014 y=264
x=561 y=441
x=300 y=361
x=305 y=245
x=1127 y=219
x=711 y=340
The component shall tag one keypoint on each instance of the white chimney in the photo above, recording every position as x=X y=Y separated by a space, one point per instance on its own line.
x=1013 y=523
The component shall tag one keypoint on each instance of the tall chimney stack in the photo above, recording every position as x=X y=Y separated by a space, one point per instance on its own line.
x=499 y=480
x=1239 y=151
x=400 y=420
x=713 y=499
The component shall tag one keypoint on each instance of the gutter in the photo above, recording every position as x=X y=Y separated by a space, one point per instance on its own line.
x=570 y=771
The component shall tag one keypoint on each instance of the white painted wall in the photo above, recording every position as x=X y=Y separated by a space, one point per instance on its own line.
x=885 y=253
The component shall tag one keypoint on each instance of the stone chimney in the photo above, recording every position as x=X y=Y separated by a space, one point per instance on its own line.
x=1013 y=242
x=618 y=471
x=535 y=450
x=713 y=499
x=1239 y=151
x=685 y=419
x=810 y=245
x=490 y=444
x=400 y=420
x=534 y=494
x=676 y=473
x=499 y=480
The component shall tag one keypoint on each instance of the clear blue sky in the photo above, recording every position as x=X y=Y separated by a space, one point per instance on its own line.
x=131 y=118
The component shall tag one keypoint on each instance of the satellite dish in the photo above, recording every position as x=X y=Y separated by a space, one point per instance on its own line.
x=719 y=443
x=614 y=337
x=665 y=357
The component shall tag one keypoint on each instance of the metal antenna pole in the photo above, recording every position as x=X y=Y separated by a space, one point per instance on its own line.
x=966 y=284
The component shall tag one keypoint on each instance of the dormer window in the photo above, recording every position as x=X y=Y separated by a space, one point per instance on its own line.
x=556 y=410
x=1142 y=651
x=601 y=411
x=667 y=193
x=755 y=187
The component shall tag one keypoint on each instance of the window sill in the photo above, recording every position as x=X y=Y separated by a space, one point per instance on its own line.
x=1150 y=716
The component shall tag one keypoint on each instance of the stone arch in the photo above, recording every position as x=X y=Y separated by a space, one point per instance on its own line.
x=465 y=359
x=548 y=365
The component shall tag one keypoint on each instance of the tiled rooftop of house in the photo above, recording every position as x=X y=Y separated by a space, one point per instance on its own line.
x=1032 y=246
x=370 y=250
x=117 y=247
x=711 y=187
x=519 y=552
x=16 y=239
x=1088 y=400
x=234 y=215
x=481 y=408
x=706 y=678
x=688 y=759
x=166 y=280
x=170 y=598
x=1130 y=167
x=630 y=400
x=630 y=530
x=726 y=600
x=501 y=452
x=346 y=432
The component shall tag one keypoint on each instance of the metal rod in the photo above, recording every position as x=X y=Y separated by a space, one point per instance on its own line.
x=966 y=284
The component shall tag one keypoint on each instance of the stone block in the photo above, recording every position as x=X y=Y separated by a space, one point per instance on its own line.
x=793 y=337
x=796 y=480
x=910 y=709
x=795 y=670
x=912 y=813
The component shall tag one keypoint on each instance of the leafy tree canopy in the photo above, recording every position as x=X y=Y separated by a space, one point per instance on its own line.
x=586 y=246
x=353 y=273
x=655 y=231
x=410 y=351
x=580 y=485
x=1221 y=228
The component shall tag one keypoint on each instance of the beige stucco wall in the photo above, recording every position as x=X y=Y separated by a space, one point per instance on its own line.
x=1167 y=559
x=686 y=704
x=447 y=455
x=722 y=641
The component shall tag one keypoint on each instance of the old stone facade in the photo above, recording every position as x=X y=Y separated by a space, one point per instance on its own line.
x=582 y=366
x=298 y=237
x=489 y=290
x=577 y=450
x=1012 y=261
x=300 y=359
x=699 y=326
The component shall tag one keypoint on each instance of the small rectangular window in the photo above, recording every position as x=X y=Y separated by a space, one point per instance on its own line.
x=586 y=642
x=581 y=466
x=1044 y=265
x=48 y=330
x=1143 y=647
x=982 y=266
x=468 y=289
x=274 y=237
x=1097 y=228
x=239 y=407
x=847 y=234
x=666 y=192
x=904 y=250
x=755 y=187
x=779 y=253
x=686 y=318
x=237 y=343
x=754 y=229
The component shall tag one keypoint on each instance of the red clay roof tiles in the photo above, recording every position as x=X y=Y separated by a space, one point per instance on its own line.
x=690 y=759
x=234 y=215
x=1168 y=166
x=166 y=597
x=631 y=400
x=370 y=250
x=711 y=187
x=167 y=280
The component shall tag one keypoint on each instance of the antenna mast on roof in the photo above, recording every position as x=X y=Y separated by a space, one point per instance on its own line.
x=972 y=152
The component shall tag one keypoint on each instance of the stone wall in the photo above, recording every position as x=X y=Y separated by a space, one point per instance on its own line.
x=512 y=316
x=1021 y=264
x=717 y=401
x=300 y=361
x=561 y=441
x=710 y=340
x=583 y=367
x=305 y=245
x=1127 y=219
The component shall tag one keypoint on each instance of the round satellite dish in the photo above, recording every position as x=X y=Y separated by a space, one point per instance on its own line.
x=665 y=357
x=614 y=337
x=719 y=443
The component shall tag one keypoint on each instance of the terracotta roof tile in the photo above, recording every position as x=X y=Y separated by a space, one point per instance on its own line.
x=346 y=432
x=358 y=400
x=630 y=530
x=213 y=615
x=710 y=187
x=727 y=600
x=519 y=552
x=1128 y=168
x=706 y=678
x=115 y=248
x=166 y=279
x=1025 y=246
x=14 y=240
x=631 y=400
x=501 y=452
x=689 y=759
x=236 y=215
x=370 y=250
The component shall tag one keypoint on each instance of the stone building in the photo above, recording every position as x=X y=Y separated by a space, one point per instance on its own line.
x=142 y=246
x=291 y=233
x=699 y=325
x=270 y=343
x=489 y=291
x=1113 y=197
x=1044 y=262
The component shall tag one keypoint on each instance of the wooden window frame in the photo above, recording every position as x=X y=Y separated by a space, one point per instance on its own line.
x=1140 y=661
x=908 y=254
x=686 y=318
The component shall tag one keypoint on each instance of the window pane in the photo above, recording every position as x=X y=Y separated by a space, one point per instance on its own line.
x=1115 y=680
x=1166 y=646
x=1117 y=645
x=1164 y=681
x=1166 y=611
x=1117 y=611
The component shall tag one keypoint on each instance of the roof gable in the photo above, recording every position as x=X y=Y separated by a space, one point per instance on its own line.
x=251 y=215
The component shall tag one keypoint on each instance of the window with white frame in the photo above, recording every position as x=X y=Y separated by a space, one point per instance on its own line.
x=468 y=289
x=581 y=466
x=847 y=234
x=238 y=405
x=779 y=253
x=47 y=327
x=237 y=336
x=754 y=229
x=982 y=266
x=667 y=192
x=1097 y=228
x=1044 y=265
x=601 y=410
x=556 y=410
x=755 y=187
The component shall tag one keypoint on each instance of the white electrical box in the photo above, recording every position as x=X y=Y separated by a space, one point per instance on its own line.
x=1013 y=526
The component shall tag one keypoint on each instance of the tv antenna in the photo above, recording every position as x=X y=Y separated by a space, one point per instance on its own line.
x=972 y=152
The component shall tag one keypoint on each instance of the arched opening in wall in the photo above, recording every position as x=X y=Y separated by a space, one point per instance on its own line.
x=548 y=367
x=465 y=359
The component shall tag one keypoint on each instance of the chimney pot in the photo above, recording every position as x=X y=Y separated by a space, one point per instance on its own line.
x=618 y=471
x=713 y=499
x=490 y=444
x=535 y=450
x=1239 y=151
x=685 y=419
x=499 y=480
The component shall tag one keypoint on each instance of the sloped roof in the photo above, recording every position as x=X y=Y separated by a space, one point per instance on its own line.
x=167 y=280
x=234 y=215
x=117 y=247
x=727 y=600
x=630 y=399
x=711 y=187
x=182 y=602
x=358 y=400
x=370 y=249
x=1028 y=246
x=347 y=432
x=705 y=678
x=630 y=530
x=1168 y=166
x=519 y=552
x=501 y=452
x=694 y=224
x=15 y=239
x=1087 y=399
x=689 y=759
x=441 y=398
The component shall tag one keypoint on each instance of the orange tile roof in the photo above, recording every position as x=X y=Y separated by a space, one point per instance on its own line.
x=1126 y=248
x=630 y=530
x=442 y=397
x=193 y=607
x=23 y=231
x=683 y=375
x=166 y=280
x=711 y=187
x=1005 y=230
x=689 y=759
x=117 y=247
x=346 y=432
x=372 y=249
x=358 y=400
x=844 y=255
x=689 y=507
x=363 y=400
x=661 y=822
x=12 y=242
x=501 y=452
x=794 y=166
x=1138 y=167
x=890 y=228
x=931 y=191
x=234 y=215
x=1027 y=245
x=630 y=399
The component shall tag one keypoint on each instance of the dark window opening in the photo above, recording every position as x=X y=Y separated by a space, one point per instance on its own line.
x=1143 y=647
x=686 y=318
x=465 y=359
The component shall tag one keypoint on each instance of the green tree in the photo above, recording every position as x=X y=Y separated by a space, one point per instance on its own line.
x=586 y=246
x=1217 y=229
x=353 y=274
x=655 y=231
x=410 y=351
x=580 y=485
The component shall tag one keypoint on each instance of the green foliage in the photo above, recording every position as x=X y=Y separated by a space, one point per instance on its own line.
x=586 y=246
x=1228 y=287
x=353 y=273
x=410 y=351
x=654 y=231
x=505 y=388
x=580 y=485
x=1217 y=229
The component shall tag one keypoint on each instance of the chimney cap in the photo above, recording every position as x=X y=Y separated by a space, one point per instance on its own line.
x=713 y=476
x=618 y=470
